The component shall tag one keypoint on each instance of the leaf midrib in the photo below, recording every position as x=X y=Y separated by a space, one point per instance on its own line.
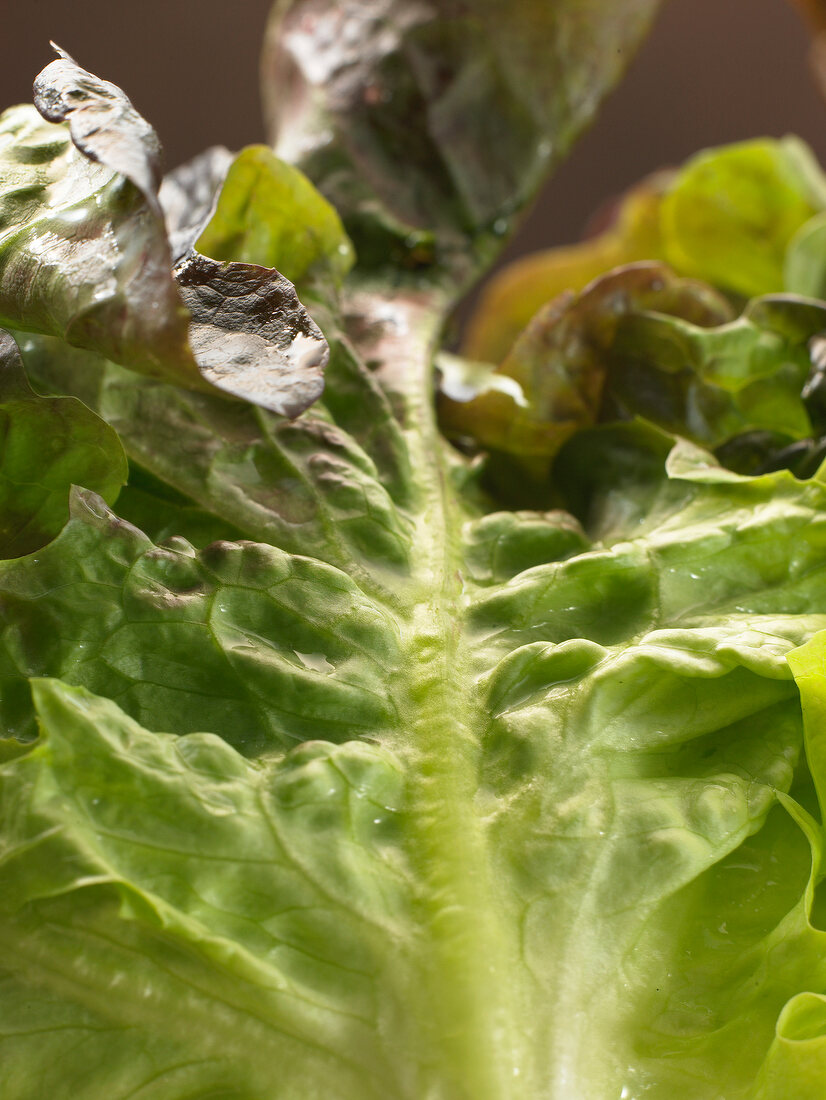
x=463 y=1003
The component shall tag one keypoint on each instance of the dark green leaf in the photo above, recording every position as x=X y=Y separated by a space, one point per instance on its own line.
x=47 y=444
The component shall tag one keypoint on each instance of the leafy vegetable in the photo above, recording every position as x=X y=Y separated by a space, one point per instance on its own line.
x=329 y=766
x=473 y=102
x=640 y=341
x=84 y=255
x=48 y=443
x=730 y=215
x=270 y=214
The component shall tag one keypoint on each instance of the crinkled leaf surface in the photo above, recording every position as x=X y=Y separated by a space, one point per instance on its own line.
x=102 y=121
x=431 y=815
x=84 y=255
x=386 y=793
x=81 y=256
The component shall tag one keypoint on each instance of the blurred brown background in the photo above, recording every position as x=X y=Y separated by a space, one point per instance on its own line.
x=712 y=71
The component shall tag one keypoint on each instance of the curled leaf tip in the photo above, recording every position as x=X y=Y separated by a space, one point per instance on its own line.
x=61 y=52
x=109 y=284
x=102 y=121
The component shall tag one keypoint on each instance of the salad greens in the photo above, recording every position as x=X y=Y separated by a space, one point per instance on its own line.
x=340 y=758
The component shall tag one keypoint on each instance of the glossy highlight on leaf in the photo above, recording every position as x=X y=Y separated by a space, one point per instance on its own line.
x=103 y=123
x=339 y=761
x=85 y=257
x=188 y=195
x=81 y=254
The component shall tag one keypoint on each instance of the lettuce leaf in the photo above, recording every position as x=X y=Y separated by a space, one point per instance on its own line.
x=337 y=777
x=48 y=443
x=84 y=255
x=737 y=216
x=641 y=342
x=607 y=801
x=431 y=125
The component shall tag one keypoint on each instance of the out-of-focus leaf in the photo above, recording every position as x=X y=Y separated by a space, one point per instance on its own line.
x=641 y=342
x=84 y=255
x=268 y=213
x=564 y=361
x=439 y=116
x=611 y=478
x=188 y=195
x=743 y=217
x=804 y=269
x=512 y=297
x=711 y=384
x=809 y=667
x=815 y=13
x=47 y=444
x=731 y=213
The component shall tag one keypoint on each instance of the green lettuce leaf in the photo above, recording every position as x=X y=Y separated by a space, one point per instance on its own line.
x=732 y=212
x=254 y=971
x=378 y=787
x=48 y=444
x=598 y=827
x=268 y=213
x=746 y=218
x=642 y=342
